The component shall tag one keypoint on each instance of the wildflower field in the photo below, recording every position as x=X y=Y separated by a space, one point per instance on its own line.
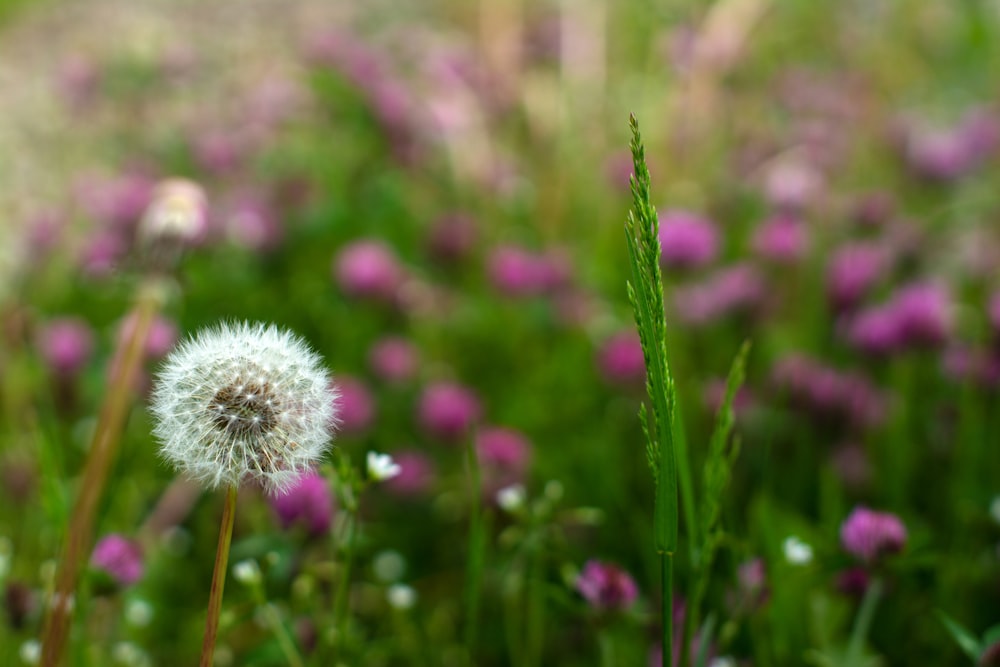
x=321 y=325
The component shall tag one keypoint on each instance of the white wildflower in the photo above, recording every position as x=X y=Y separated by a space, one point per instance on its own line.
x=381 y=467
x=995 y=509
x=796 y=551
x=722 y=661
x=244 y=402
x=31 y=652
x=511 y=498
x=401 y=596
x=247 y=572
x=130 y=655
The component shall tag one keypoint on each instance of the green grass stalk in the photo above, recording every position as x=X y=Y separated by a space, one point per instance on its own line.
x=863 y=622
x=645 y=292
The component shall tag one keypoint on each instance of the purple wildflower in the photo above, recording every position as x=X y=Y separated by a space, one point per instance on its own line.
x=620 y=359
x=368 y=269
x=66 y=345
x=781 y=239
x=447 y=410
x=853 y=271
x=687 y=240
x=355 y=405
x=393 y=359
x=120 y=558
x=606 y=587
x=307 y=502
x=868 y=535
x=416 y=473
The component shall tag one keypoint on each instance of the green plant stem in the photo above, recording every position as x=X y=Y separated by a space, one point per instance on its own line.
x=340 y=602
x=100 y=457
x=607 y=647
x=863 y=621
x=285 y=640
x=218 y=578
x=535 y=613
x=475 y=556
x=667 y=581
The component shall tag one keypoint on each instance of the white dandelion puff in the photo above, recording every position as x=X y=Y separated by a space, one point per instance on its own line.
x=244 y=402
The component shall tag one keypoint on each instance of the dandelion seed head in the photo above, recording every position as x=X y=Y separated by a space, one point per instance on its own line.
x=244 y=402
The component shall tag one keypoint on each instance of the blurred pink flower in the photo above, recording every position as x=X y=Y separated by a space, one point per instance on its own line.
x=102 y=252
x=781 y=239
x=852 y=271
x=368 y=269
x=416 y=474
x=515 y=271
x=160 y=340
x=620 y=359
x=687 y=240
x=66 y=345
x=829 y=392
x=117 y=202
x=447 y=410
x=875 y=330
x=868 y=535
x=606 y=587
x=737 y=288
x=250 y=221
x=923 y=313
x=949 y=153
x=393 y=359
x=308 y=502
x=504 y=455
x=452 y=237
x=355 y=405
x=792 y=183
x=119 y=557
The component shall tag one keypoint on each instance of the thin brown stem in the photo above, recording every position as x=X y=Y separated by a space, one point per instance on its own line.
x=218 y=578
x=103 y=447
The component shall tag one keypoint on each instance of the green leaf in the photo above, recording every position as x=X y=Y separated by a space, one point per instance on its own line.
x=965 y=640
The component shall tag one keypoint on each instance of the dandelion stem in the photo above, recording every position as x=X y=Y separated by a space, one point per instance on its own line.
x=103 y=447
x=218 y=578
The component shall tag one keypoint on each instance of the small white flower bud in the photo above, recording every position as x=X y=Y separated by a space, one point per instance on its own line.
x=243 y=402
x=401 y=596
x=381 y=467
x=511 y=498
x=796 y=551
x=247 y=572
x=30 y=652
